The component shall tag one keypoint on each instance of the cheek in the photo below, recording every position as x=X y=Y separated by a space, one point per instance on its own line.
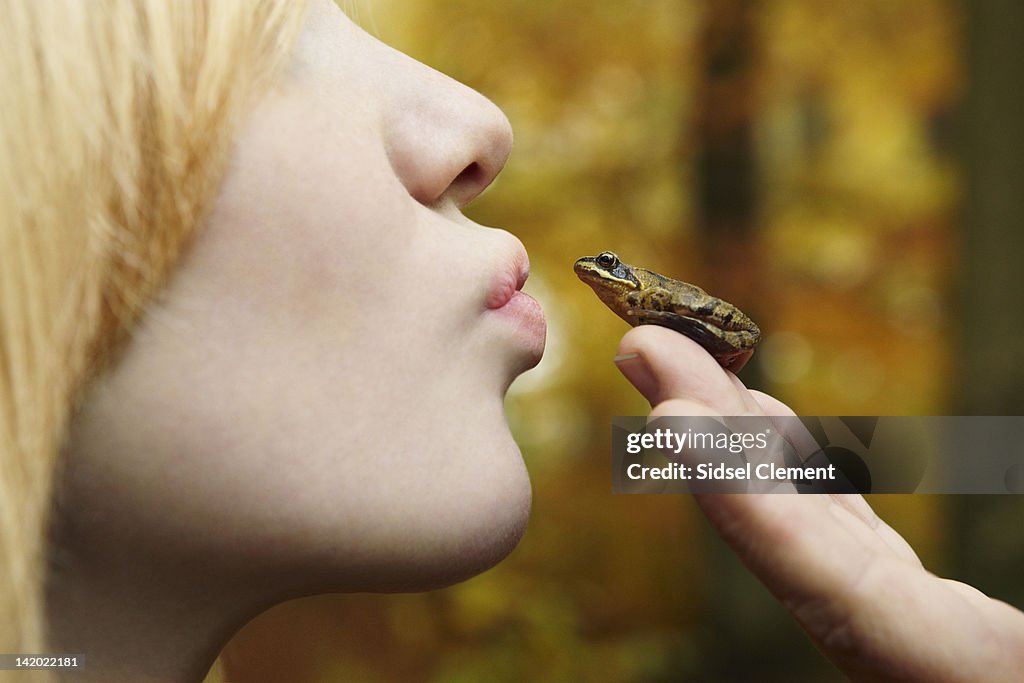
x=310 y=211
x=302 y=396
x=304 y=245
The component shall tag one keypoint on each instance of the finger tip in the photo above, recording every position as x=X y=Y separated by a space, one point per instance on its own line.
x=633 y=341
x=634 y=367
x=662 y=363
x=643 y=354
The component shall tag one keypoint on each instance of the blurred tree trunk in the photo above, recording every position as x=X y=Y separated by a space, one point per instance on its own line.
x=745 y=618
x=726 y=106
x=725 y=168
x=993 y=301
x=989 y=546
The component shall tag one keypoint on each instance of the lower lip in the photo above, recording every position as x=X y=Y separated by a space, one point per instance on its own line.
x=528 y=316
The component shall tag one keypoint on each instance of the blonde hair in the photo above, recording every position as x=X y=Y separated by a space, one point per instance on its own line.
x=115 y=128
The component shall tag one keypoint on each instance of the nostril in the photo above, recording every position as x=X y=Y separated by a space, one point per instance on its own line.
x=470 y=175
x=470 y=182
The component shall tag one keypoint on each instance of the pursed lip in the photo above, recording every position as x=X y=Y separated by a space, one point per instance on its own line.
x=511 y=278
x=505 y=297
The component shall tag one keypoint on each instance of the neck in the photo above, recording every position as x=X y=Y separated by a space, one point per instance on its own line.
x=139 y=625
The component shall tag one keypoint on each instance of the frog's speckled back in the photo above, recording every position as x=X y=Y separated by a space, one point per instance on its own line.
x=643 y=297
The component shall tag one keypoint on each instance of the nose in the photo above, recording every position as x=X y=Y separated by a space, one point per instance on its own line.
x=445 y=141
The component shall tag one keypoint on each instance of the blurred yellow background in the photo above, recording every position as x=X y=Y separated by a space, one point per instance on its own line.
x=800 y=158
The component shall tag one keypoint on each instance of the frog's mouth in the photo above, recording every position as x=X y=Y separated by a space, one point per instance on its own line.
x=612 y=291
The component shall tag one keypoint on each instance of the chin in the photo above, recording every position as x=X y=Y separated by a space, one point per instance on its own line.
x=468 y=557
x=452 y=518
x=478 y=526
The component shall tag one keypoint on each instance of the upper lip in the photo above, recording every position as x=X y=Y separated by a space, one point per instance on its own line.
x=512 y=276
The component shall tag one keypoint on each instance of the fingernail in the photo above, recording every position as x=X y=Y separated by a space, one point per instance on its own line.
x=635 y=368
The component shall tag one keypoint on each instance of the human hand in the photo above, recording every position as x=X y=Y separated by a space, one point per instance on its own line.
x=854 y=584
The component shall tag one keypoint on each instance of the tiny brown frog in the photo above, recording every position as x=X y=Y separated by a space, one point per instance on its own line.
x=642 y=297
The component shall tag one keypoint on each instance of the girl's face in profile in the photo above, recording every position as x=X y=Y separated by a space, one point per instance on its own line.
x=316 y=402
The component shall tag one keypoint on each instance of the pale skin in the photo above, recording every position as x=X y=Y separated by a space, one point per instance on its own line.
x=853 y=583
x=315 y=403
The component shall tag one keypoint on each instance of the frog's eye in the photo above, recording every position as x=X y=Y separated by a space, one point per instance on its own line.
x=607 y=260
